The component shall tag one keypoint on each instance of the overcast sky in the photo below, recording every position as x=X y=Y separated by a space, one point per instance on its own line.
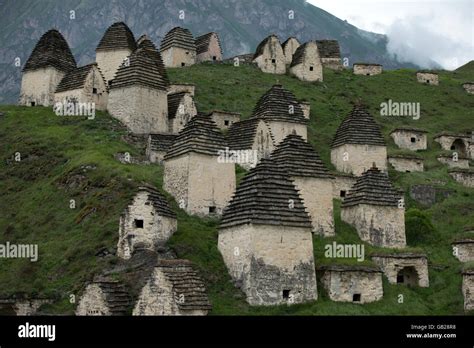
x=418 y=30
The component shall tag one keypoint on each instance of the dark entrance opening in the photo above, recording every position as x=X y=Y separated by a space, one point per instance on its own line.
x=214 y=58
x=459 y=147
x=226 y=122
x=310 y=68
x=273 y=61
x=94 y=90
x=138 y=223
x=33 y=103
x=408 y=275
x=356 y=298
x=342 y=194
x=182 y=64
x=413 y=139
x=212 y=210
x=286 y=294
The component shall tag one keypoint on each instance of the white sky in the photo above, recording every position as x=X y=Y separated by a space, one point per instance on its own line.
x=418 y=30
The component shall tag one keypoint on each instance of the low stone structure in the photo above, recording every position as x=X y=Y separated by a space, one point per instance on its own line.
x=224 y=119
x=463 y=249
x=173 y=288
x=410 y=138
x=330 y=54
x=269 y=56
x=358 y=144
x=147 y=222
x=406 y=163
x=468 y=289
x=342 y=183
x=105 y=297
x=356 y=284
x=182 y=87
x=404 y=268
x=373 y=206
x=157 y=146
x=311 y=178
x=23 y=306
x=181 y=109
x=265 y=239
x=427 y=77
x=178 y=48
x=429 y=194
x=462 y=144
x=208 y=48
x=468 y=87
x=454 y=162
x=50 y=60
x=83 y=85
x=289 y=48
x=463 y=176
x=367 y=69
x=306 y=64
x=195 y=174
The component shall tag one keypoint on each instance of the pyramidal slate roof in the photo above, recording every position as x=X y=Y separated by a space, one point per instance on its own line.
x=241 y=135
x=139 y=69
x=187 y=284
x=51 y=50
x=145 y=43
x=203 y=41
x=161 y=142
x=261 y=45
x=266 y=196
x=359 y=127
x=178 y=37
x=117 y=36
x=159 y=202
x=200 y=135
x=373 y=187
x=296 y=157
x=75 y=79
x=328 y=48
x=275 y=104
x=116 y=295
x=299 y=55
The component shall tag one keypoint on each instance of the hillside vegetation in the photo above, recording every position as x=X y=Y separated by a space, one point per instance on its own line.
x=72 y=158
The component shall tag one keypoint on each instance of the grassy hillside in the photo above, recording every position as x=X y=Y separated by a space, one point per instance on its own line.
x=72 y=158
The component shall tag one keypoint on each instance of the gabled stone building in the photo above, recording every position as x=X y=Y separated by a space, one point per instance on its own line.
x=173 y=288
x=427 y=77
x=374 y=207
x=178 y=48
x=115 y=46
x=367 y=69
x=269 y=56
x=195 y=174
x=406 y=163
x=83 y=85
x=138 y=95
x=104 y=296
x=147 y=222
x=464 y=249
x=224 y=119
x=265 y=239
x=181 y=109
x=208 y=48
x=468 y=289
x=158 y=145
x=50 y=60
x=404 y=268
x=289 y=48
x=454 y=162
x=312 y=179
x=358 y=143
x=463 y=144
x=330 y=54
x=410 y=138
x=306 y=64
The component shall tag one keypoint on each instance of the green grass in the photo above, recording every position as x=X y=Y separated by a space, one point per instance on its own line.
x=72 y=158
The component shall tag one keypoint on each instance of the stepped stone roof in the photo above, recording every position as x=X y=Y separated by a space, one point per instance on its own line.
x=187 y=282
x=261 y=45
x=116 y=295
x=358 y=127
x=161 y=142
x=140 y=69
x=174 y=100
x=328 y=48
x=288 y=40
x=75 y=79
x=299 y=55
x=275 y=104
x=296 y=157
x=144 y=42
x=200 y=135
x=241 y=134
x=374 y=188
x=158 y=200
x=51 y=50
x=408 y=129
x=266 y=196
x=202 y=42
x=178 y=37
x=117 y=36
x=349 y=268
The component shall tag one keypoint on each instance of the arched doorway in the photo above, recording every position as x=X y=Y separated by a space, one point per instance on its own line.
x=408 y=276
x=459 y=146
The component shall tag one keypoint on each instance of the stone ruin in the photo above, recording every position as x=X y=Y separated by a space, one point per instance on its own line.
x=358 y=143
x=367 y=69
x=49 y=62
x=289 y=48
x=265 y=239
x=312 y=179
x=178 y=48
x=182 y=87
x=468 y=289
x=157 y=145
x=410 y=138
x=376 y=209
x=462 y=144
x=406 y=163
x=429 y=194
x=194 y=173
x=404 y=268
x=463 y=249
x=306 y=63
x=454 y=161
x=330 y=54
x=147 y=222
x=22 y=305
x=208 y=48
x=468 y=87
x=224 y=119
x=269 y=56
x=173 y=288
x=427 y=77
x=352 y=283
x=463 y=176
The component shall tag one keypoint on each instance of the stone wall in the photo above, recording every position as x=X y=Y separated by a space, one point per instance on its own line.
x=360 y=69
x=183 y=87
x=378 y=225
x=341 y=185
x=311 y=69
x=359 y=158
x=290 y=49
x=464 y=251
x=406 y=164
x=110 y=60
x=280 y=130
x=317 y=196
x=213 y=54
x=332 y=63
x=451 y=163
x=409 y=140
x=224 y=119
x=461 y=144
x=38 y=86
x=465 y=178
x=93 y=302
x=427 y=78
x=29 y=307
x=263 y=145
x=468 y=290
x=306 y=108
x=272 y=60
x=143 y=110
x=186 y=110
x=176 y=179
x=272 y=264
x=176 y=57
x=341 y=286
x=468 y=87
x=391 y=265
